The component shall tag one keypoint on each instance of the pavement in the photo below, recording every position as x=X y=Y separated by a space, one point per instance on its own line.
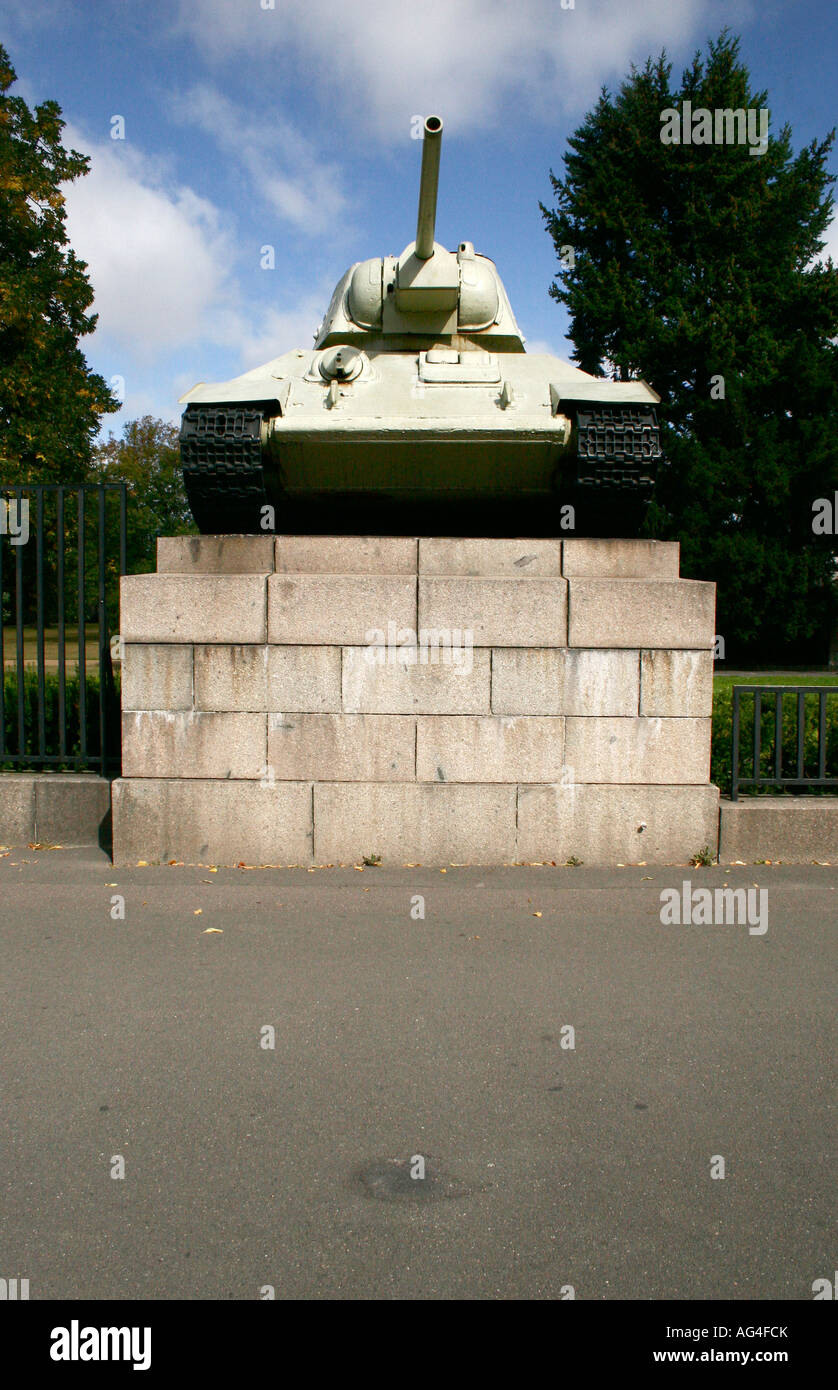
x=291 y=1160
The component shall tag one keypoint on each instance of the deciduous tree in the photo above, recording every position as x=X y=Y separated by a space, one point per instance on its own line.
x=50 y=401
x=147 y=458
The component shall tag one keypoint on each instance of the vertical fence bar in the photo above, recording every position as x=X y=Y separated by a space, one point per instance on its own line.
x=778 y=734
x=822 y=734
x=734 y=772
x=123 y=531
x=801 y=729
x=2 y=652
x=757 y=732
x=62 y=674
x=39 y=589
x=123 y=569
x=82 y=651
x=103 y=636
x=19 y=651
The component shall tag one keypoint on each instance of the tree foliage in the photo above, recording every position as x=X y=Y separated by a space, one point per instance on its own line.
x=695 y=263
x=50 y=402
x=147 y=458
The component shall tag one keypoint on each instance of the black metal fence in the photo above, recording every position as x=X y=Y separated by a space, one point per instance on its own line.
x=800 y=747
x=62 y=552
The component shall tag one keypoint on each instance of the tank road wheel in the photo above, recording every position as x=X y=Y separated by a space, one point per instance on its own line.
x=223 y=461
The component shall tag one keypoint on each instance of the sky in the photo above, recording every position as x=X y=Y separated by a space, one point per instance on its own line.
x=289 y=124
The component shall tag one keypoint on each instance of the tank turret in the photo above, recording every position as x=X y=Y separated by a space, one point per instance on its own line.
x=426 y=292
x=418 y=410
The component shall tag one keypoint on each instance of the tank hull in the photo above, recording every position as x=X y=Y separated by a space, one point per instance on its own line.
x=449 y=436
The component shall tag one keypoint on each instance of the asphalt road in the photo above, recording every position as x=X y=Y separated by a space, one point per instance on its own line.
x=398 y=1038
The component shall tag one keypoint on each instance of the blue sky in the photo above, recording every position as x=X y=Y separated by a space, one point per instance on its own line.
x=248 y=125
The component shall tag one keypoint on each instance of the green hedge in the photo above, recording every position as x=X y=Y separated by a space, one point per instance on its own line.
x=720 y=768
x=51 y=719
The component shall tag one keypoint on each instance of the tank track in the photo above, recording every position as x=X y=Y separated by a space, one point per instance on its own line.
x=222 y=459
x=617 y=447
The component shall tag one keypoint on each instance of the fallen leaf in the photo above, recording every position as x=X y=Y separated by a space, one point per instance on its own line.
x=142 y=863
x=443 y=871
x=198 y=912
x=213 y=871
x=536 y=914
x=218 y=930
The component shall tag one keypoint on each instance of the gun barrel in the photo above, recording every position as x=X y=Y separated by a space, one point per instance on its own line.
x=428 y=182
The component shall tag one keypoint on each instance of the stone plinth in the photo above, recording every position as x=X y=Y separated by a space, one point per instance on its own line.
x=315 y=699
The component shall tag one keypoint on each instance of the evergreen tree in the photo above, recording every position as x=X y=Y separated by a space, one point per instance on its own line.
x=50 y=402
x=694 y=269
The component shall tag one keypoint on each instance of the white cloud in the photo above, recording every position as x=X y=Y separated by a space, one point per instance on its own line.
x=478 y=62
x=280 y=163
x=142 y=400
x=24 y=16
x=540 y=346
x=161 y=261
x=162 y=264
x=275 y=331
x=158 y=255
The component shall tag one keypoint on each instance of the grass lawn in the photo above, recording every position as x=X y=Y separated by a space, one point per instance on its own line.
x=30 y=647
x=724 y=680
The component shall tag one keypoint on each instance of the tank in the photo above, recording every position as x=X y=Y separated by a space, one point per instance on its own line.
x=418 y=411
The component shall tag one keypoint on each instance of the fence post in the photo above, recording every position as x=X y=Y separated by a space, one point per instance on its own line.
x=734 y=773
